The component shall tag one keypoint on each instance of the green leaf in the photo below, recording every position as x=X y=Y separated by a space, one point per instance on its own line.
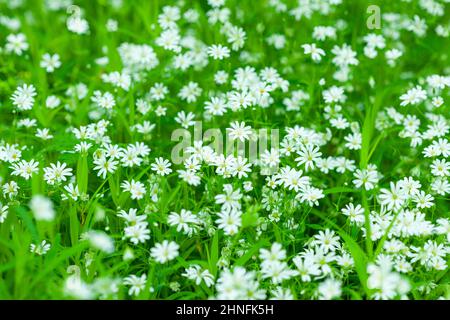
x=249 y=254
x=27 y=219
x=74 y=225
x=359 y=257
x=340 y=190
x=214 y=254
x=82 y=174
x=250 y=217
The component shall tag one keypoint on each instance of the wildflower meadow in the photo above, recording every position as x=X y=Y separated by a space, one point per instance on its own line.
x=224 y=149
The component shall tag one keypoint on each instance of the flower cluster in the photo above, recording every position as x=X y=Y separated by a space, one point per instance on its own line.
x=135 y=163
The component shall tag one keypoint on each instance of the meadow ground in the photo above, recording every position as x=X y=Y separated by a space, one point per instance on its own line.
x=229 y=149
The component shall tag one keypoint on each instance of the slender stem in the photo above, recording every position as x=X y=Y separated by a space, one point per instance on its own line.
x=368 y=240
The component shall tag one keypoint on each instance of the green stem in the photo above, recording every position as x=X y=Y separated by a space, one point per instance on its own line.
x=368 y=240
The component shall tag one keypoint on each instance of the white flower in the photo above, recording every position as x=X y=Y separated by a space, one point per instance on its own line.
x=103 y=100
x=77 y=25
x=334 y=95
x=375 y=41
x=392 y=55
x=236 y=37
x=169 y=40
x=186 y=120
x=218 y=52
x=366 y=178
x=197 y=274
x=25 y=169
x=72 y=191
x=161 y=166
x=118 y=79
x=311 y=195
x=190 y=177
x=105 y=166
x=137 y=284
x=190 y=92
x=216 y=106
x=44 y=134
x=52 y=102
x=344 y=56
x=277 y=271
x=112 y=25
x=329 y=289
x=137 y=58
x=57 y=173
x=41 y=248
x=413 y=96
x=354 y=141
x=42 y=208
x=23 y=97
x=306 y=268
x=308 y=155
x=281 y=294
x=138 y=233
x=184 y=221
x=239 y=284
x=165 y=251
x=355 y=214
x=75 y=287
x=100 y=241
x=168 y=18
x=131 y=217
x=221 y=77
x=3 y=212
x=240 y=167
x=275 y=253
x=322 y=32
x=229 y=221
x=394 y=198
x=158 y=91
x=16 y=43
x=387 y=284
x=229 y=200
x=327 y=241
x=50 y=62
x=315 y=52
x=440 y=168
x=136 y=188
x=10 y=189
x=239 y=131
x=423 y=200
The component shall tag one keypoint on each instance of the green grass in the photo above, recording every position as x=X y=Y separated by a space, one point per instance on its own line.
x=26 y=275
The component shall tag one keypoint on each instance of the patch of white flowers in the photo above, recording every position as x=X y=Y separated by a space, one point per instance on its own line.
x=350 y=200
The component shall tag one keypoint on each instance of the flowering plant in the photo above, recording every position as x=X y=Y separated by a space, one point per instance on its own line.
x=278 y=149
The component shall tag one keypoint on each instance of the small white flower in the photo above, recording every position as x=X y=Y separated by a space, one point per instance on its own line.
x=50 y=62
x=41 y=248
x=315 y=52
x=164 y=251
x=42 y=208
x=100 y=241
